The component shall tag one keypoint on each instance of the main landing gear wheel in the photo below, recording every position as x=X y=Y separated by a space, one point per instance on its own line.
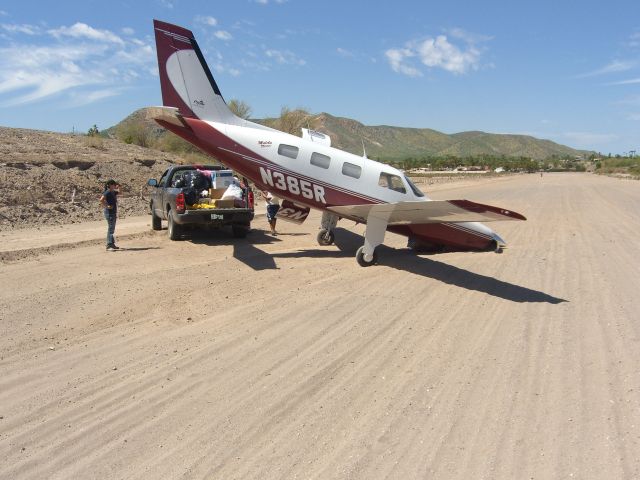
x=362 y=259
x=325 y=237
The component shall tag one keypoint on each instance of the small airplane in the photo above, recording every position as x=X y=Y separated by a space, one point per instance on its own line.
x=306 y=172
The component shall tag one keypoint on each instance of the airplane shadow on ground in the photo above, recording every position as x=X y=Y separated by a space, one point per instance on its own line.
x=348 y=242
x=244 y=249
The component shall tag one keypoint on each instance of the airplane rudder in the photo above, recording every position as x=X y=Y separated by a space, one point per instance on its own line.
x=170 y=39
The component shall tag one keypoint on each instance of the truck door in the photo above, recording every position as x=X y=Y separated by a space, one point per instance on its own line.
x=157 y=196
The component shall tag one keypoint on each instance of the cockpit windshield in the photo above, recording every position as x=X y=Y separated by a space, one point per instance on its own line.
x=416 y=190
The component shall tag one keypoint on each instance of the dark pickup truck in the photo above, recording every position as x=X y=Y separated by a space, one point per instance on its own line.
x=189 y=196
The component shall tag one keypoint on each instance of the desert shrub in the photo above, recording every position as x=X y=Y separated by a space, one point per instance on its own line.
x=136 y=133
x=94 y=141
x=292 y=121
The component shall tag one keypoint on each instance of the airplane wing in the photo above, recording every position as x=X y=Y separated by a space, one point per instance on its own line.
x=167 y=114
x=433 y=211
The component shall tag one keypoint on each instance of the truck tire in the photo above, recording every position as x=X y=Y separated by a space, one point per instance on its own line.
x=174 y=230
x=240 y=231
x=156 y=221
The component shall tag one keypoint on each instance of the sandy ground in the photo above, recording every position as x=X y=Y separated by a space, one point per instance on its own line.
x=274 y=358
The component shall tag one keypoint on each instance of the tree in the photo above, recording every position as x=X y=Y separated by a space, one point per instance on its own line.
x=240 y=108
x=93 y=131
x=292 y=121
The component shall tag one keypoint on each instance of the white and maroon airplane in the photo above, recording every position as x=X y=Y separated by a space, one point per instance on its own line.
x=307 y=172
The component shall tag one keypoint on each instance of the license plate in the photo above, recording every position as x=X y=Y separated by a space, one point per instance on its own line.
x=217 y=216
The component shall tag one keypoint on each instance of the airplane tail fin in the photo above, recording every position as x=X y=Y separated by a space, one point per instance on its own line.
x=185 y=78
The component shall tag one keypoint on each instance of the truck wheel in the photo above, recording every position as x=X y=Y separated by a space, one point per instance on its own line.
x=240 y=231
x=174 y=230
x=156 y=221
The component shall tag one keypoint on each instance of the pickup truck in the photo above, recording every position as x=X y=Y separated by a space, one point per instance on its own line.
x=189 y=196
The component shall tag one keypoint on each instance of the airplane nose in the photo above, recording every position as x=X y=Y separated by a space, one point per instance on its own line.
x=499 y=241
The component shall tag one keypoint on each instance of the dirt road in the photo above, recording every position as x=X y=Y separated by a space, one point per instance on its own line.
x=274 y=358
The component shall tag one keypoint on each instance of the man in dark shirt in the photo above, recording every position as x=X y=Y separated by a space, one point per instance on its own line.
x=109 y=201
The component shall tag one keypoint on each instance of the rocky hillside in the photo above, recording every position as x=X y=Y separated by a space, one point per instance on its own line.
x=396 y=143
x=384 y=142
x=56 y=178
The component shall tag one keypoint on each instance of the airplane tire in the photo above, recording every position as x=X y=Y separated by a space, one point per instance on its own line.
x=361 y=260
x=325 y=238
x=174 y=230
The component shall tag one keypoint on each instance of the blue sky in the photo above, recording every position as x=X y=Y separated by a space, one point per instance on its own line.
x=567 y=71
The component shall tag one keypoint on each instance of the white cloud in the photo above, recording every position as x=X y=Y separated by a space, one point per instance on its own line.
x=631 y=81
x=78 y=99
x=3 y=13
x=266 y=2
x=82 y=30
x=223 y=35
x=82 y=63
x=24 y=28
x=632 y=100
x=613 y=67
x=470 y=38
x=207 y=20
x=221 y=68
x=634 y=116
x=396 y=59
x=344 y=53
x=128 y=31
x=439 y=52
x=284 y=57
x=634 y=40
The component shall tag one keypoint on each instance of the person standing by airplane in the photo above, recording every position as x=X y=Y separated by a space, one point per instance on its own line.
x=109 y=201
x=273 y=205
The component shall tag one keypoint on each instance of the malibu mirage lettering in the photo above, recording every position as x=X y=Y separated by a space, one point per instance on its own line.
x=293 y=185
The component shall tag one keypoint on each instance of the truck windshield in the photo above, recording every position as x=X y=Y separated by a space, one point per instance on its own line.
x=416 y=190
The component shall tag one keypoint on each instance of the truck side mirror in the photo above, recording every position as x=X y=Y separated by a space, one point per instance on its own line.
x=152 y=182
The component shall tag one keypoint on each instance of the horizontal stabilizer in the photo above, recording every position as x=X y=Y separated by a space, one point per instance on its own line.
x=167 y=114
x=435 y=211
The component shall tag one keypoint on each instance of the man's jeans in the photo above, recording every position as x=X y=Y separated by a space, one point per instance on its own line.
x=111 y=222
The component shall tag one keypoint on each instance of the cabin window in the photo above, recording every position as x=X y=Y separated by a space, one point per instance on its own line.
x=351 y=170
x=320 y=160
x=416 y=191
x=392 y=182
x=288 y=151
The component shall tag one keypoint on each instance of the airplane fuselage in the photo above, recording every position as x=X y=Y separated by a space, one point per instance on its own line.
x=308 y=172
x=318 y=176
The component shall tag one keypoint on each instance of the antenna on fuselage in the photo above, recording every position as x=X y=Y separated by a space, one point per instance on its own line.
x=364 y=150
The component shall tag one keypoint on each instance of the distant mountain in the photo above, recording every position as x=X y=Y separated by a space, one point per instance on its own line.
x=389 y=143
